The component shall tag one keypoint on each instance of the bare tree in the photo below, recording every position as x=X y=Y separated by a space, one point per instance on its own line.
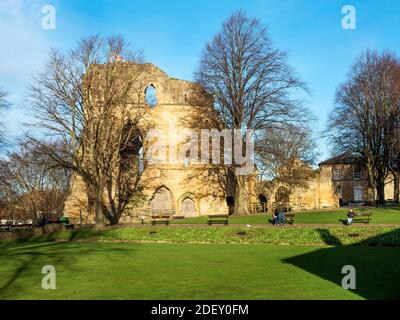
x=394 y=163
x=31 y=186
x=3 y=105
x=90 y=99
x=251 y=84
x=287 y=155
x=366 y=115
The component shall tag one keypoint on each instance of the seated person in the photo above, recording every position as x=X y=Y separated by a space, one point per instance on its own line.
x=275 y=217
x=281 y=218
x=350 y=216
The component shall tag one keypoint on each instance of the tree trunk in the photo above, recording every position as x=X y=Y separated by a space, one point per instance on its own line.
x=380 y=190
x=371 y=182
x=114 y=218
x=241 y=208
x=396 y=182
x=97 y=200
x=98 y=209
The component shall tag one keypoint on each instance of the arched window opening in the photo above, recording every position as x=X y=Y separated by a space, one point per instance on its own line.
x=186 y=159
x=131 y=150
x=151 y=98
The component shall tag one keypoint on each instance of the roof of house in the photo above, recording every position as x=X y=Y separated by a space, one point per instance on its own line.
x=344 y=158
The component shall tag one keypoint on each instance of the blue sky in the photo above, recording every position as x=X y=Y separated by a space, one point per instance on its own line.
x=173 y=34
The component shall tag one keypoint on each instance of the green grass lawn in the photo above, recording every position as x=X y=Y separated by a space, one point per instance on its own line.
x=195 y=271
x=379 y=216
x=254 y=265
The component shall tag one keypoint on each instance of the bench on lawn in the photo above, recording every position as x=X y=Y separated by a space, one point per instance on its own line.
x=160 y=219
x=160 y=216
x=362 y=218
x=218 y=218
x=289 y=217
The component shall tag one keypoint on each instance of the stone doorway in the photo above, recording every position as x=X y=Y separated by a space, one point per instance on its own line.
x=263 y=203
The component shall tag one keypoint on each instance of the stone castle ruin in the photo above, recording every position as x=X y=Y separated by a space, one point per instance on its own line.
x=184 y=189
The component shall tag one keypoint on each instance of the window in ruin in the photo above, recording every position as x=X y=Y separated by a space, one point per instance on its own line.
x=151 y=98
x=131 y=151
x=141 y=160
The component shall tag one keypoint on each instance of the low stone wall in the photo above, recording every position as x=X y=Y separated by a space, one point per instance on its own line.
x=30 y=232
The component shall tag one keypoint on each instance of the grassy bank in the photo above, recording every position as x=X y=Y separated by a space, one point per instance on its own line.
x=334 y=236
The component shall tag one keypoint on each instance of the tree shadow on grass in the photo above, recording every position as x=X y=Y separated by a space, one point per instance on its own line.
x=30 y=255
x=377 y=268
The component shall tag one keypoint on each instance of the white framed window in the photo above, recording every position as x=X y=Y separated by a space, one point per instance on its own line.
x=357 y=174
x=358 y=194
x=336 y=174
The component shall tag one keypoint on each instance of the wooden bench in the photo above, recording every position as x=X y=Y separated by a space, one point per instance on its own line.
x=218 y=218
x=160 y=219
x=289 y=218
x=362 y=218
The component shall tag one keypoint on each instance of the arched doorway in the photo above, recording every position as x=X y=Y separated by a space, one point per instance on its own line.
x=162 y=200
x=230 y=201
x=188 y=208
x=282 y=199
x=263 y=202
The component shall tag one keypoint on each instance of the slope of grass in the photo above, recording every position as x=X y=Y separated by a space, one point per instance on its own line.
x=334 y=236
x=190 y=271
x=373 y=236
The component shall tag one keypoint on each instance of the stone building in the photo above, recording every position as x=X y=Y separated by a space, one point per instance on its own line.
x=183 y=188
x=187 y=189
x=350 y=180
x=341 y=180
x=317 y=191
